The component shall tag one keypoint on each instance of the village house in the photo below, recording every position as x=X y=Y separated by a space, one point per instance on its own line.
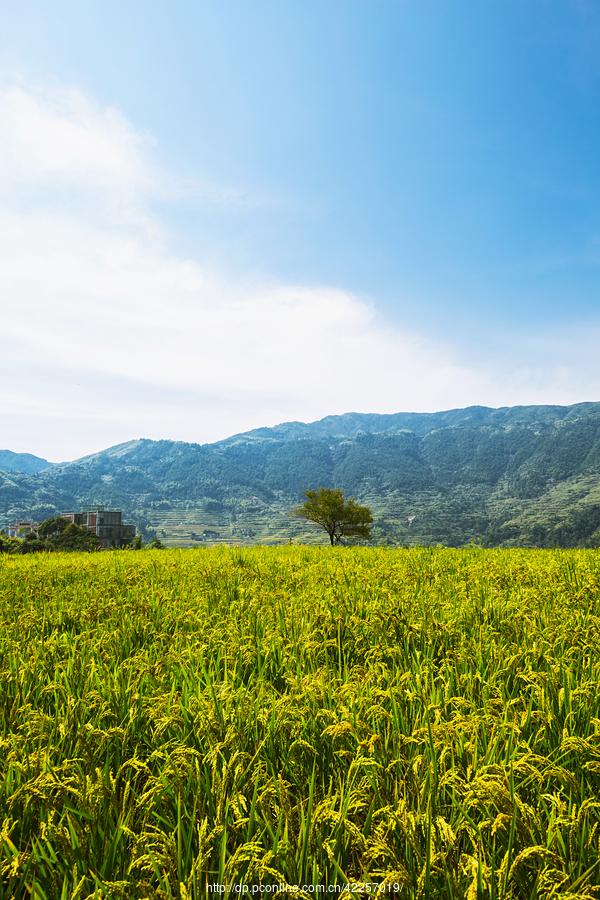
x=22 y=528
x=106 y=524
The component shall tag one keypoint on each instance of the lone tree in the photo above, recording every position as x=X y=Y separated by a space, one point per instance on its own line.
x=339 y=517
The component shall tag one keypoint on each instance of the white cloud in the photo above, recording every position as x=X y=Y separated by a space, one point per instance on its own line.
x=61 y=136
x=107 y=334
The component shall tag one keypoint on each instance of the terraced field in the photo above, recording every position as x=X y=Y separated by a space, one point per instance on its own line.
x=422 y=518
x=267 y=524
x=422 y=723
x=413 y=523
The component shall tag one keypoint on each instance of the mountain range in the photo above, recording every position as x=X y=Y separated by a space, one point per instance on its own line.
x=527 y=475
x=22 y=462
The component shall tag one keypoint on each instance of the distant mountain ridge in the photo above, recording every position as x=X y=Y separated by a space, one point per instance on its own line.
x=22 y=462
x=516 y=475
x=352 y=424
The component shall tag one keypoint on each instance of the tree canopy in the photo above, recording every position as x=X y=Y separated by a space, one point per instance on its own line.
x=58 y=533
x=339 y=517
x=52 y=534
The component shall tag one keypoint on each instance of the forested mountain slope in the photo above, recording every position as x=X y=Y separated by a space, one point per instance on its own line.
x=518 y=475
x=21 y=462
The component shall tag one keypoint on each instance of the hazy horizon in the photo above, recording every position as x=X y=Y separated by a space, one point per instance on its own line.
x=249 y=215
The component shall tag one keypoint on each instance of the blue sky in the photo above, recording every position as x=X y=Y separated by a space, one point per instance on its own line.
x=423 y=175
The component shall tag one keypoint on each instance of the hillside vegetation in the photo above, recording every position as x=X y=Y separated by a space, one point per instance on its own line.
x=422 y=718
x=523 y=475
x=22 y=462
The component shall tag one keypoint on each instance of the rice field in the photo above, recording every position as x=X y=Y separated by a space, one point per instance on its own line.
x=340 y=722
